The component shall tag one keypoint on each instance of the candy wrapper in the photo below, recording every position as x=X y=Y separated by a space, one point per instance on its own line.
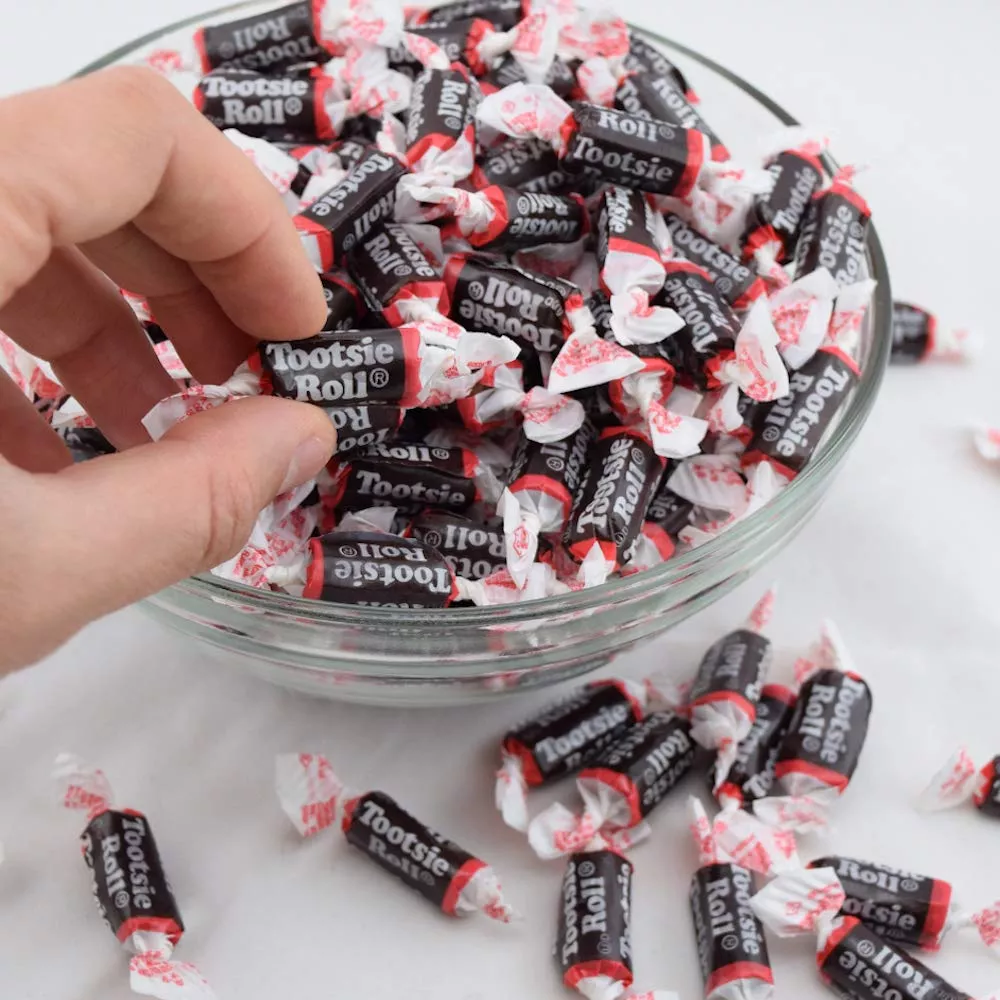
x=732 y=950
x=917 y=336
x=625 y=782
x=987 y=441
x=622 y=475
x=563 y=738
x=347 y=212
x=751 y=776
x=914 y=910
x=454 y=881
x=775 y=221
x=833 y=234
x=535 y=311
x=625 y=149
x=723 y=700
x=630 y=242
x=301 y=107
x=962 y=781
x=823 y=745
x=851 y=958
x=735 y=280
x=594 y=942
x=130 y=885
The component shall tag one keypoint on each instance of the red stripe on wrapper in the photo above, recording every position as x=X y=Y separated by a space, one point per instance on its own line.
x=822 y=774
x=151 y=925
x=616 y=971
x=846 y=358
x=452 y=270
x=542 y=484
x=498 y=202
x=410 y=336
x=720 y=154
x=756 y=290
x=696 y=142
x=323 y=237
x=764 y=237
x=931 y=337
x=985 y=783
x=580 y=550
x=637 y=710
x=663 y=542
x=433 y=141
x=349 y=806
x=198 y=98
x=617 y=245
x=462 y=878
x=314 y=572
x=737 y=972
x=809 y=158
x=728 y=790
x=938 y=911
x=199 y=45
x=619 y=783
x=529 y=766
x=322 y=83
x=780 y=693
x=848 y=194
x=686 y=267
x=733 y=697
x=839 y=932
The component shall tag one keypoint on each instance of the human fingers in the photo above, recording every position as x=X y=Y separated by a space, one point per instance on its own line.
x=99 y=535
x=209 y=343
x=72 y=316
x=122 y=146
x=25 y=439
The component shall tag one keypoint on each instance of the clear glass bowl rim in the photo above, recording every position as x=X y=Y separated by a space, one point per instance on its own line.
x=706 y=557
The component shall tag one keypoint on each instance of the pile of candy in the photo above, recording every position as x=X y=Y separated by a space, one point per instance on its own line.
x=776 y=761
x=567 y=333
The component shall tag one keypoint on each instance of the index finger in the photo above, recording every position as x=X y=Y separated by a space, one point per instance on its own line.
x=83 y=159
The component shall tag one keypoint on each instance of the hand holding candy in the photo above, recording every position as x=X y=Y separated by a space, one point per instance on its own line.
x=171 y=209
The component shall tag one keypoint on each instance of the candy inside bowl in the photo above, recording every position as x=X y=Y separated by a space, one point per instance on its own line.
x=435 y=655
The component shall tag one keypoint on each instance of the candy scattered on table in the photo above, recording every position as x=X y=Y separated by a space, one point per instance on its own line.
x=130 y=885
x=456 y=882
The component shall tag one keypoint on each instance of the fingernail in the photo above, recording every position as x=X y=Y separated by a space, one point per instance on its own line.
x=308 y=459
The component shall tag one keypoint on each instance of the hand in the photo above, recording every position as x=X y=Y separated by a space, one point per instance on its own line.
x=117 y=176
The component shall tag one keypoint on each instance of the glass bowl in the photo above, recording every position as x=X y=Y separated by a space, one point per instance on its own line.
x=461 y=655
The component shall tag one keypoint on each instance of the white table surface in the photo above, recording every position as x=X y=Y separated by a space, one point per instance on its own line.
x=903 y=555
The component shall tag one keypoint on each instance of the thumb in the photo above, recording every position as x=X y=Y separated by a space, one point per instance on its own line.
x=97 y=536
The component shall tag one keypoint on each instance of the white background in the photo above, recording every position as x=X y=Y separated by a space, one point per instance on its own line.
x=904 y=555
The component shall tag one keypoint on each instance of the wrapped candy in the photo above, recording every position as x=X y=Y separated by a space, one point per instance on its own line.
x=917 y=336
x=130 y=885
x=449 y=877
x=636 y=152
x=735 y=280
x=622 y=474
x=650 y=95
x=407 y=475
x=630 y=242
x=732 y=949
x=775 y=221
x=396 y=278
x=563 y=738
x=915 y=910
x=336 y=221
x=820 y=752
x=722 y=702
x=268 y=41
x=298 y=107
x=751 y=776
x=851 y=957
x=961 y=781
x=619 y=788
x=532 y=309
x=473 y=549
x=594 y=942
x=833 y=234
